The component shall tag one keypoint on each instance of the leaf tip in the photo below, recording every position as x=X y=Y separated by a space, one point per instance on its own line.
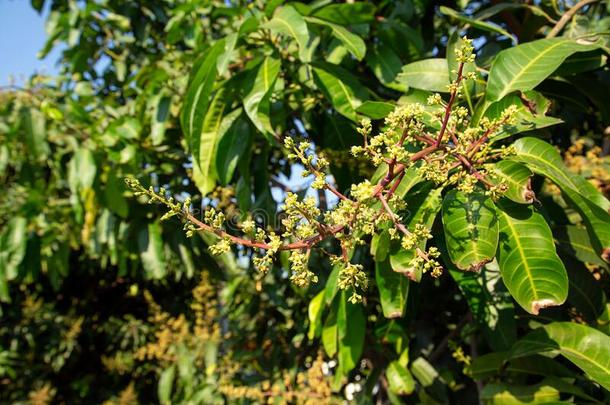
x=541 y=304
x=476 y=267
x=606 y=254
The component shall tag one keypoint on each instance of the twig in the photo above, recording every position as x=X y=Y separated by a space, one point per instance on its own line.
x=567 y=17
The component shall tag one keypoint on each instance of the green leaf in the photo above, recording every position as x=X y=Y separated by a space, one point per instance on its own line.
x=204 y=174
x=197 y=98
x=113 y=194
x=490 y=304
x=330 y=329
x=166 y=382
x=476 y=23
x=256 y=101
x=232 y=145
x=505 y=394
x=530 y=267
x=347 y=13
x=288 y=21
x=222 y=63
x=375 y=109
x=354 y=44
x=386 y=65
x=393 y=289
x=524 y=119
x=494 y=363
x=34 y=125
x=543 y=159
x=151 y=251
x=585 y=294
x=380 y=246
x=517 y=177
x=587 y=348
x=351 y=325
x=575 y=241
x=81 y=170
x=525 y=66
x=160 y=104
x=399 y=379
x=315 y=309
x=425 y=205
x=471 y=229
x=12 y=247
x=343 y=90
x=427 y=74
x=430 y=379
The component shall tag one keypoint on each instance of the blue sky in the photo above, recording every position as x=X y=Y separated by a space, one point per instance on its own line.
x=22 y=35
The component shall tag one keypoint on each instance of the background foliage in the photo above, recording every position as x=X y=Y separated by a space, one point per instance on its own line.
x=102 y=302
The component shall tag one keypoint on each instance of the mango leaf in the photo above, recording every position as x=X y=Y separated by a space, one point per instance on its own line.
x=81 y=170
x=330 y=329
x=476 y=23
x=575 y=241
x=425 y=205
x=430 y=379
x=343 y=90
x=151 y=251
x=517 y=177
x=197 y=99
x=525 y=118
x=399 y=379
x=314 y=311
x=222 y=63
x=351 y=325
x=204 y=174
x=33 y=124
x=375 y=109
x=543 y=159
x=525 y=66
x=393 y=289
x=160 y=106
x=427 y=74
x=587 y=348
x=586 y=294
x=498 y=8
x=490 y=304
x=288 y=21
x=354 y=44
x=505 y=394
x=494 y=363
x=347 y=13
x=380 y=246
x=113 y=193
x=231 y=146
x=12 y=247
x=386 y=65
x=530 y=267
x=256 y=101
x=166 y=382
x=471 y=229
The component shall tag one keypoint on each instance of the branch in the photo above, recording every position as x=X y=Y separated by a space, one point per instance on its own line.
x=567 y=17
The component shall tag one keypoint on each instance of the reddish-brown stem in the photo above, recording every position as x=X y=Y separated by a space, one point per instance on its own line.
x=449 y=105
x=478 y=175
x=424 y=139
x=336 y=192
x=396 y=184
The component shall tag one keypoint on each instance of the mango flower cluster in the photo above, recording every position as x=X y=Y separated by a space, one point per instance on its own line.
x=438 y=140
